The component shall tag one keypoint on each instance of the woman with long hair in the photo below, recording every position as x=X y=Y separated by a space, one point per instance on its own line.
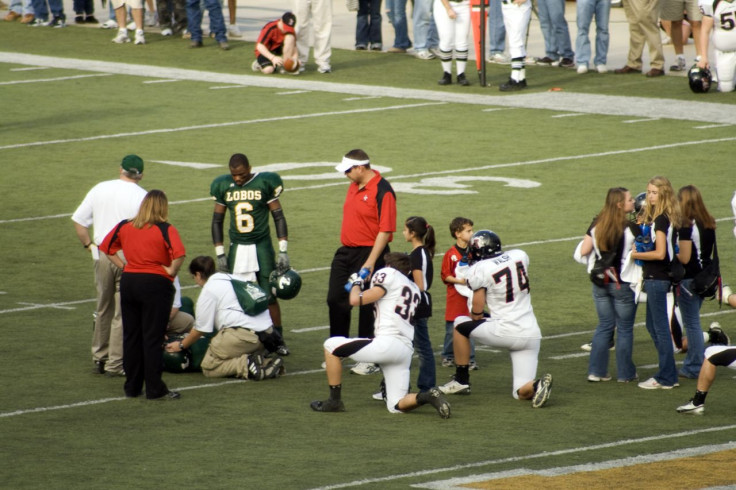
x=662 y=212
x=421 y=236
x=153 y=254
x=612 y=236
x=697 y=238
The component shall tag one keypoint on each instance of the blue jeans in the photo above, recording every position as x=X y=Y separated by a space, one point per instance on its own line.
x=368 y=29
x=658 y=325
x=616 y=311
x=42 y=12
x=554 y=29
x=690 y=309
x=586 y=9
x=423 y=346
x=425 y=31
x=447 y=348
x=397 y=16
x=496 y=29
x=194 y=19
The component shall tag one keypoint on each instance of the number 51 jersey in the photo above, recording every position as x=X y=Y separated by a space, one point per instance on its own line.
x=395 y=310
x=248 y=204
x=506 y=282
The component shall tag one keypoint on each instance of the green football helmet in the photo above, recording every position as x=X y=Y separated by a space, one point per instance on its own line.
x=176 y=362
x=285 y=285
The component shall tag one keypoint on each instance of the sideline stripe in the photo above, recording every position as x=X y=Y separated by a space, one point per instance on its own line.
x=217 y=125
x=641 y=107
x=515 y=459
x=458 y=483
x=42 y=80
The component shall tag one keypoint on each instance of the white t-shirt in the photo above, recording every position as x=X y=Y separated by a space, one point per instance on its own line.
x=107 y=204
x=507 y=293
x=395 y=310
x=218 y=308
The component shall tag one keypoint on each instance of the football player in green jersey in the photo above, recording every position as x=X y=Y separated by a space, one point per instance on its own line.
x=250 y=197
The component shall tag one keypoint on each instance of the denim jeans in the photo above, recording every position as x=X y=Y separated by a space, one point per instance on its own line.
x=496 y=29
x=423 y=347
x=690 y=309
x=42 y=12
x=586 y=9
x=658 y=325
x=425 y=31
x=397 y=16
x=616 y=311
x=447 y=348
x=194 y=19
x=368 y=28
x=554 y=29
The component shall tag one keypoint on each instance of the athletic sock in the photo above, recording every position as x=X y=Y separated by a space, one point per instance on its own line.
x=699 y=398
x=462 y=374
x=335 y=392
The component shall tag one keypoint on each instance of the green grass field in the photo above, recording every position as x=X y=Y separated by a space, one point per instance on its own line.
x=536 y=177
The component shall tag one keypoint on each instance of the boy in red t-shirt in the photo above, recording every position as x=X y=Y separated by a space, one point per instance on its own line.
x=276 y=43
x=456 y=304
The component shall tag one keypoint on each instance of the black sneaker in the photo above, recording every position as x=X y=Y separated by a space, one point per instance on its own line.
x=328 y=405
x=171 y=395
x=282 y=350
x=360 y=47
x=446 y=79
x=79 y=19
x=461 y=80
x=376 y=47
x=274 y=368
x=57 y=22
x=716 y=335
x=99 y=367
x=567 y=63
x=547 y=61
x=255 y=372
x=512 y=85
x=435 y=398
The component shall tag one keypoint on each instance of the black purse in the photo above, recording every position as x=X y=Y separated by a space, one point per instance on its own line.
x=707 y=281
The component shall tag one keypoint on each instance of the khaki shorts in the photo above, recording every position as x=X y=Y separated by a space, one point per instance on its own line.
x=675 y=10
x=134 y=4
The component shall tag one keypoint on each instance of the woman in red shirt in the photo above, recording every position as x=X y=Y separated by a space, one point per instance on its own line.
x=153 y=254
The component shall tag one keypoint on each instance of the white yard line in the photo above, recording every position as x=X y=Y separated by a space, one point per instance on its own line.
x=641 y=107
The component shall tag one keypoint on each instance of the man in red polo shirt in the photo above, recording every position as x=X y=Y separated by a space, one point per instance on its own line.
x=368 y=224
x=276 y=42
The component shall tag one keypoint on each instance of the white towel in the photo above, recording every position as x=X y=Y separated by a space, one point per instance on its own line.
x=246 y=262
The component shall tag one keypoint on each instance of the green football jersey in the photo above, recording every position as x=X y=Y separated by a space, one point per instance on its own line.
x=248 y=204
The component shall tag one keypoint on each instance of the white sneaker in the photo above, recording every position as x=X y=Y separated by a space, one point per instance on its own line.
x=378 y=395
x=234 y=31
x=499 y=58
x=365 y=368
x=680 y=66
x=601 y=68
x=130 y=26
x=472 y=366
x=448 y=363
x=455 y=388
x=167 y=32
x=150 y=19
x=689 y=407
x=255 y=66
x=544 y=390
x=109 y=24
x=725 y=293
x=653 y=384
x=582 y=69
x=320 y=69
x=140 y=38
x=587 y=347
x=121 y=38
x=436 y=52
x=596 y=379
x=424 y=54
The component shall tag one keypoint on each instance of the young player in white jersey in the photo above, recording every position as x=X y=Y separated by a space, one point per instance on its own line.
x=395 y=297
x=719 y=16
x=499 y=280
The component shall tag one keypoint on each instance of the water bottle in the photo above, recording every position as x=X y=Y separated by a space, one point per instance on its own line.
x=362 y=274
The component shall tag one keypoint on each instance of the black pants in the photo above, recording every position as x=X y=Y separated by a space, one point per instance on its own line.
x=346 y=261
x=145 y=303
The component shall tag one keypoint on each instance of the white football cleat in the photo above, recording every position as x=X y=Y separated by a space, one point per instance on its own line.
x=690 y=407
x=455 y=388
x=365 y=368
x=544 y=390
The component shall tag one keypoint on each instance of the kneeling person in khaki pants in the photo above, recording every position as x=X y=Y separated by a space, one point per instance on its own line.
x=237 y=350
